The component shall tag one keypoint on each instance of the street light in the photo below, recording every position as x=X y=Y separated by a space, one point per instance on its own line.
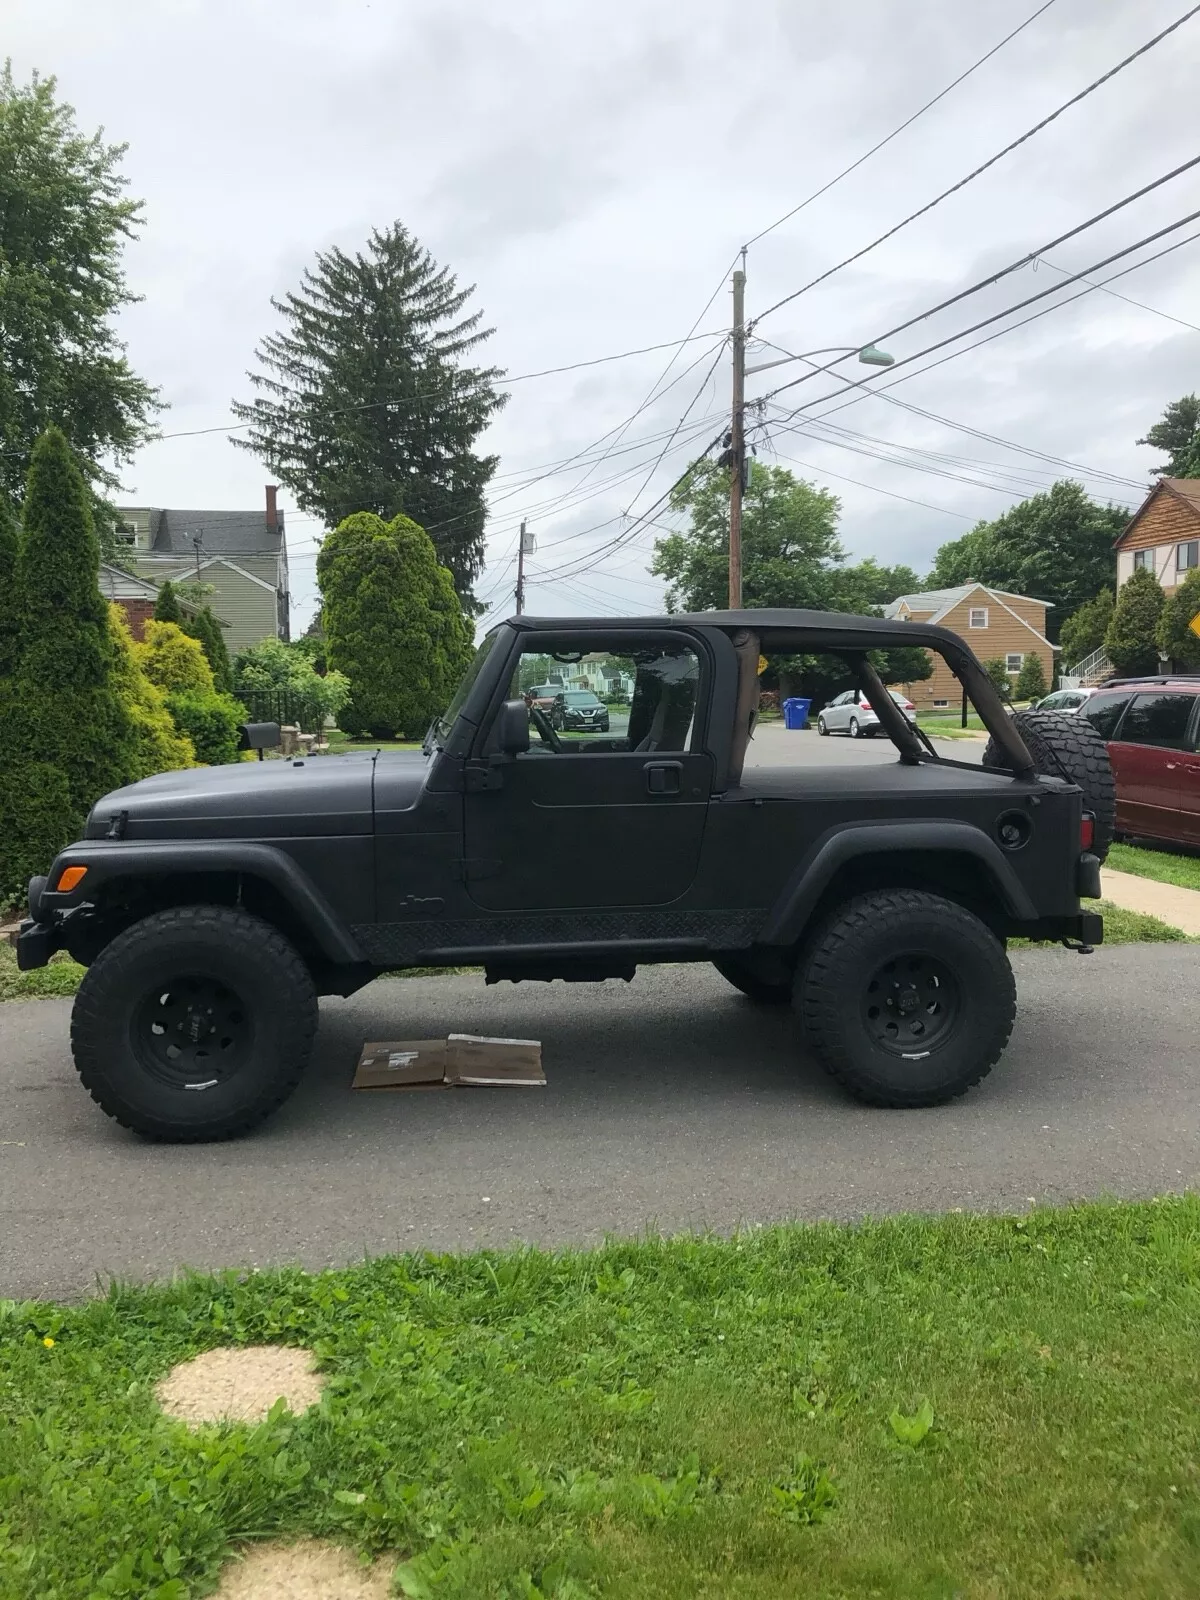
x=868 y=355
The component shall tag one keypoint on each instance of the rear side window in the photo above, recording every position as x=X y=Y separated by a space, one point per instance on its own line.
x=1158 y=719
x=1104 y=712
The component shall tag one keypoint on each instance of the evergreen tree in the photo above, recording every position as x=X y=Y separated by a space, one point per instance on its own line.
x=1177 y=432
x=161 y=747
x=10 y=618
x=393 y=625
x=1084 y=630
x=176 y=663
x=64 y=219
x=1176 y=641
x=367 y=401
x=1131 y=642
x=207 y=631
x=1031 y=680
x=997 y=671
x=69 y=715
x=167 y=607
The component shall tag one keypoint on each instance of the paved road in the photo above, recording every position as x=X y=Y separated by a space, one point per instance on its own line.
x=672 y=1102
x=773 y=745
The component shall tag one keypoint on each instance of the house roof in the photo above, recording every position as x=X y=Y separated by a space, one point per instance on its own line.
x=232 y=533
x=1186 y=490
x=940 y=601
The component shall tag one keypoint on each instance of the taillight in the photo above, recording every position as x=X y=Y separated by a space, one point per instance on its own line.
x=1087 y=830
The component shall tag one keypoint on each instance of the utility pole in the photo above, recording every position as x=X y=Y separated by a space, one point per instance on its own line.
x=737 y=437
x=526 y=545
x=196 y=547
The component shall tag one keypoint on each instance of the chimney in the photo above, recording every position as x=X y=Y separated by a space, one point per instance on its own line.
x=272 y=512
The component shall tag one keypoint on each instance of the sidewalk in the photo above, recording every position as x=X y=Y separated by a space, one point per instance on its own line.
x=1178 y=907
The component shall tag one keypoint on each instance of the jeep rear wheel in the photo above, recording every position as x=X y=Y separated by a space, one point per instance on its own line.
x=1065 y=745
x=907 y=999
x=194 y=1024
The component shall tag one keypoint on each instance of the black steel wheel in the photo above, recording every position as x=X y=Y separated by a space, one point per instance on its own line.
x=195 y=1023
x=906 y=998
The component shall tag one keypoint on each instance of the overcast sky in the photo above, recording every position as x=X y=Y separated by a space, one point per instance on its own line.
x=593 y=169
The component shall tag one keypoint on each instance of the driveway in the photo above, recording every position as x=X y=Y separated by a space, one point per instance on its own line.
x=672 y=1102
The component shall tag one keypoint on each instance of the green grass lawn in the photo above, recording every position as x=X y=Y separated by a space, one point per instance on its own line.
x=1163 y=864
x=915 y=1409
x=949 y=726
x=341 y=744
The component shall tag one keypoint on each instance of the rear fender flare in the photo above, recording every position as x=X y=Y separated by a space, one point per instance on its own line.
x=108 y=862
x=833 y=850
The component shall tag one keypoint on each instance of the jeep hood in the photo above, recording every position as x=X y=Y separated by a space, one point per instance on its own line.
x=250 y=800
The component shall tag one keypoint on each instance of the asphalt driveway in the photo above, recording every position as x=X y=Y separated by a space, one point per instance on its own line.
x=671 y=1102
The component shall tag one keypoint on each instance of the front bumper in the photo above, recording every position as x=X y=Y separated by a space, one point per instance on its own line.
x=35 y=943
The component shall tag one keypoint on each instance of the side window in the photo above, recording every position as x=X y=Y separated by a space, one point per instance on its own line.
x=1158 y=719
x=609 y=701
x=1143 y=558
x=1104 y=712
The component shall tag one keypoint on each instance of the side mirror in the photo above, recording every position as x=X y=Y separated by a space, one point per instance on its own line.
x=511 y=736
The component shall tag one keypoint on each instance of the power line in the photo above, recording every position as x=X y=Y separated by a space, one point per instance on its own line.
x=991 y=162
x=929 y=104
x=826 y=472
x=1140 y=304
x=1003 y=272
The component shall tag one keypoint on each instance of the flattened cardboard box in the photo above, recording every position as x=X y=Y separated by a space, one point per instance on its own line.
x=462 y=1061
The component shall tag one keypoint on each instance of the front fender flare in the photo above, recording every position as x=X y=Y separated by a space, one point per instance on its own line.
x=107 y=861
x=833 y=849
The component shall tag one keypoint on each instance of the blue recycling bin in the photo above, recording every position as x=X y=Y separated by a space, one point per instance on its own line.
x=795 y=713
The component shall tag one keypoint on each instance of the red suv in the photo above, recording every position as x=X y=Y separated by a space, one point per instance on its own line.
x=1152 y=726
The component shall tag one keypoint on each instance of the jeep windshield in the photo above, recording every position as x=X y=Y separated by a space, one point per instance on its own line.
x=440 y=730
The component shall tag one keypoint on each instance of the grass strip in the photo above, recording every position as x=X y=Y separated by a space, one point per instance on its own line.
x=1164 y=865
x=918 y=1408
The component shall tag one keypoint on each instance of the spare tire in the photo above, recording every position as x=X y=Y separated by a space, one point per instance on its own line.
x=1066 y=746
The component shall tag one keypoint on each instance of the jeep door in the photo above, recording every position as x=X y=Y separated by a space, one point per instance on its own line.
x=579 y=822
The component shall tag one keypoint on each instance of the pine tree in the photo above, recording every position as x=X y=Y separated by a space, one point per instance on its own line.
x=1131 y=642
x=206 y=630
x=393 y=624
x=1178 y=433
x=1031 y=680
x=1176 y=641
x=366 y=399
x=167 y=607
x=70 y=718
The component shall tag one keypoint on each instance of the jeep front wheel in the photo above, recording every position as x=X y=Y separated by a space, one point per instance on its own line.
x=195 y=1023
x=907 y=998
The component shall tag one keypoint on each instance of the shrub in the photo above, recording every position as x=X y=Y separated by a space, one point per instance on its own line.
x=161 y=747
x=393 y=624
x=167 y=607
x=1031 y=680
x=205 y=628
x=272 y=667
x=34 y=799
x=211 y=721
x=10 y=618
x=997 y=671
x=1131 y=641
x=1176 y=641
x=172 y=660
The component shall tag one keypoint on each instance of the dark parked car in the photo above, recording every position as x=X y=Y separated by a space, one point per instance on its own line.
x=579 y=708
x=1152 y=726
x=212 y=907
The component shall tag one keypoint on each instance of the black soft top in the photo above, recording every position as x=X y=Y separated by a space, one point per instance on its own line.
x=776 y=626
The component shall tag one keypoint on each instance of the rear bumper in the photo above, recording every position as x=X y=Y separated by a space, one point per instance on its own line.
x=1087 y=877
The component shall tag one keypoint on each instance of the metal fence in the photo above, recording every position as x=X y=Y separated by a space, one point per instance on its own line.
x=279 y=705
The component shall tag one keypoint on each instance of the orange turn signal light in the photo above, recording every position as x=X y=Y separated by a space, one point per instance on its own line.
x=70 y=878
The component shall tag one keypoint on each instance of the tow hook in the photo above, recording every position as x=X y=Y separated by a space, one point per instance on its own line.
x=1078 y=946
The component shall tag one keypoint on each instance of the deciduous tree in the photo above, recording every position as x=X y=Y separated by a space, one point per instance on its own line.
x=1176 y=641
x=1083 y=631
x=1177 y=432
x=1131 y=641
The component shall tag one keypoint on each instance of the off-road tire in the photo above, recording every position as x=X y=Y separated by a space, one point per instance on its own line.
x=231 y=952
x=908 y=928
x=742 y=977
x=1066 y=746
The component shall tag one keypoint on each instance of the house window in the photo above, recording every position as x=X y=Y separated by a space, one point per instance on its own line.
x=940 y=705
x=126 y=534
x=1143 y=558
x=1187 y=555
x=1013 y=660
x=978 y=617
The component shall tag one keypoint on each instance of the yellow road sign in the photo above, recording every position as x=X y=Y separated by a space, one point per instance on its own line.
x=762 y=665
x=1194 y=625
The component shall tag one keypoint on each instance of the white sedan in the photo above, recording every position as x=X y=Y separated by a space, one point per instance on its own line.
x=1064 y=700
x=851 y=713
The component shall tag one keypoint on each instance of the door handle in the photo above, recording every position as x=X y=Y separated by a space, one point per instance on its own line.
x=663 y=777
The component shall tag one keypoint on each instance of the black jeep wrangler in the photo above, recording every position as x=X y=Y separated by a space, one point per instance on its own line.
x=212 y=907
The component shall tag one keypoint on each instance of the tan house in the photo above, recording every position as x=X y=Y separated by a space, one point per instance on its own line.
x=240 y=555
x=997 y=625
x=1164 y=534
